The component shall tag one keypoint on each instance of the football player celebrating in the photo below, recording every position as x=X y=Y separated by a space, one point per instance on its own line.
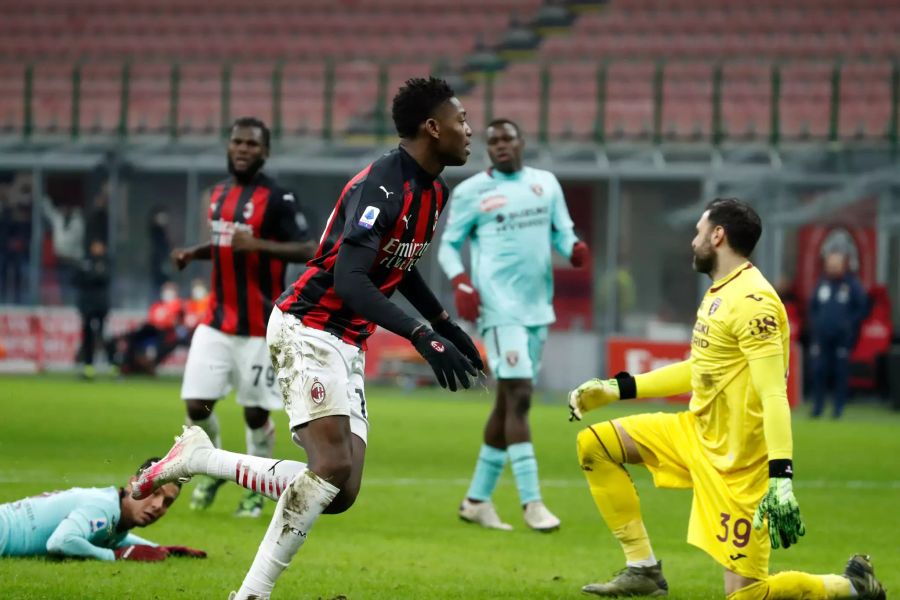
x=382 y=224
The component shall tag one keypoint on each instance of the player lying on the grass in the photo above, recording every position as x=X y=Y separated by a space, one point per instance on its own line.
x=733 y=446
x=382 y=224
x=88 y=523
x=515 y=216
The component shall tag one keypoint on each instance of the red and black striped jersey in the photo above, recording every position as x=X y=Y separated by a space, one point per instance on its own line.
x=245 y=285
x=392 y=207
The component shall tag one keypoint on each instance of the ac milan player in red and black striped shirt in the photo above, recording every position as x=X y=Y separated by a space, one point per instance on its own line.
x=257 y=228
x=382 y=223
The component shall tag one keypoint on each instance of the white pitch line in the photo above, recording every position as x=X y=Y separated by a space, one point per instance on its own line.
x=33 y=477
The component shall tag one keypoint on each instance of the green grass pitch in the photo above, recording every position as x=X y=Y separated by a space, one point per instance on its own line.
x=402 y=539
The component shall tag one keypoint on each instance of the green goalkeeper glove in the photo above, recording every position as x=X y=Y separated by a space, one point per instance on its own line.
x=590 y=395
x=781 y=507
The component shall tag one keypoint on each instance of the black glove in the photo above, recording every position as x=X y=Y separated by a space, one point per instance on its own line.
x=448 y=363
x=460 y=339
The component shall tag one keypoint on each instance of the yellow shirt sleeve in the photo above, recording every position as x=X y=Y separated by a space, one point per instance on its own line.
x=767 y=377
x=758 y=326
x=670 y=380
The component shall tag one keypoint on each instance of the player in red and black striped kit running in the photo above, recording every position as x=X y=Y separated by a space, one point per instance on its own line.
x=383 y=223
x=256 y=229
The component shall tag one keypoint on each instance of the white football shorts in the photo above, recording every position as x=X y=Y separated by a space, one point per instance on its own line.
x=218 y=362
x=319 y=374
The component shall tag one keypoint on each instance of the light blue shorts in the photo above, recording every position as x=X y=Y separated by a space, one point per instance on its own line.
x=514 y=351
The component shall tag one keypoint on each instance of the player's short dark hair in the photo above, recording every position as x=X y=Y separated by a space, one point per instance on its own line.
x=503 y=121
x=416 y=102
x=741 y=223
x=149 y=463
x=254 y=122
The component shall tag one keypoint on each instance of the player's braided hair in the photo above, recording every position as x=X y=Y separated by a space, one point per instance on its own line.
x=254 y=122
x=416 y=102
x=742 y=225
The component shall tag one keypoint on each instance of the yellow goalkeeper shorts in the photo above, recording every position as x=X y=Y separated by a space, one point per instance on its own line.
x=723 y=504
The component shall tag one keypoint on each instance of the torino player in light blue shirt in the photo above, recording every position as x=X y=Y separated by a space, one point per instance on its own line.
x=514 y=216
x=88 y=523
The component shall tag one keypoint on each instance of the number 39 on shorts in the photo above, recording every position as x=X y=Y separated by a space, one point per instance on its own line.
x=738 y=531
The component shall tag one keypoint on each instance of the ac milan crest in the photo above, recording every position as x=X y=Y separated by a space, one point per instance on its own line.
x=317 y=392
x=439 y=347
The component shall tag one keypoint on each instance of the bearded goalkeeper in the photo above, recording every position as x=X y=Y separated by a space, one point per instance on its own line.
x=733 y=446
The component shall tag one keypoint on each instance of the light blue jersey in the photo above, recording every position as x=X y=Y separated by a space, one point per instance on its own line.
x=76 y=522
x=514 y=221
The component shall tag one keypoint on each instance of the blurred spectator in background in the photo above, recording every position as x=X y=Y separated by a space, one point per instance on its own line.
x=160 y=248
x=92 y=281
x=166 y=312
x=141 y=350
x=98 y=217
x=196 y=308
x=67 y=232
x=836 y=309
x=15 y=238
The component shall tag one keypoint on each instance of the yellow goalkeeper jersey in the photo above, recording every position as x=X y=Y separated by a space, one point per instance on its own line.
x=741 y=318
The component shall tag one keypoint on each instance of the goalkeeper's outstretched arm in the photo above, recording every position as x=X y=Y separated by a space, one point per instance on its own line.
x=670 y=380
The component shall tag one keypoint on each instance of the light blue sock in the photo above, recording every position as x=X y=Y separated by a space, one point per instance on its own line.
x=525 y=470
x=487 y=471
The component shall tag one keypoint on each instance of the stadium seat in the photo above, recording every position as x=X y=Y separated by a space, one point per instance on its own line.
x=686 y=33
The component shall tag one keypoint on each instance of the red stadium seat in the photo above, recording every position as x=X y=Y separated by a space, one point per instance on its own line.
x=53 y=32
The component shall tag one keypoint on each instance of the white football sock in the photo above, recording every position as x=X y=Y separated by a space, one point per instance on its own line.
x=650 y=561
x=211 y=426
x=261 y=441
x=298 y=508
x=267 y=476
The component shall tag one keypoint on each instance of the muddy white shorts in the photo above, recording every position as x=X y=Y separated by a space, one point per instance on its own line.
x=319 y=374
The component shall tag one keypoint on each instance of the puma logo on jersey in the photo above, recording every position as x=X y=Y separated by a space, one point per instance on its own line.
x=406 y=221
x=737 y=556
x=387 y=194
x=752 y=297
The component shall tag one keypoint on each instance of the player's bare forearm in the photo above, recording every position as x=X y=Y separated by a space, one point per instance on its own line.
x=297 y=252
x=182 y=256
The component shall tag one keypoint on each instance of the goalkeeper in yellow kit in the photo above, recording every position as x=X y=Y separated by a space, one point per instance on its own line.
x=733 y=446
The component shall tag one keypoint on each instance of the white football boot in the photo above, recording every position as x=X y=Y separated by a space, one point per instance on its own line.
x=482 y=513
x=175 y=465
x=539 y=518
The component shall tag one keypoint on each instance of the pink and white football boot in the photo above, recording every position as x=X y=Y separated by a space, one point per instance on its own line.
x=175 y=465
